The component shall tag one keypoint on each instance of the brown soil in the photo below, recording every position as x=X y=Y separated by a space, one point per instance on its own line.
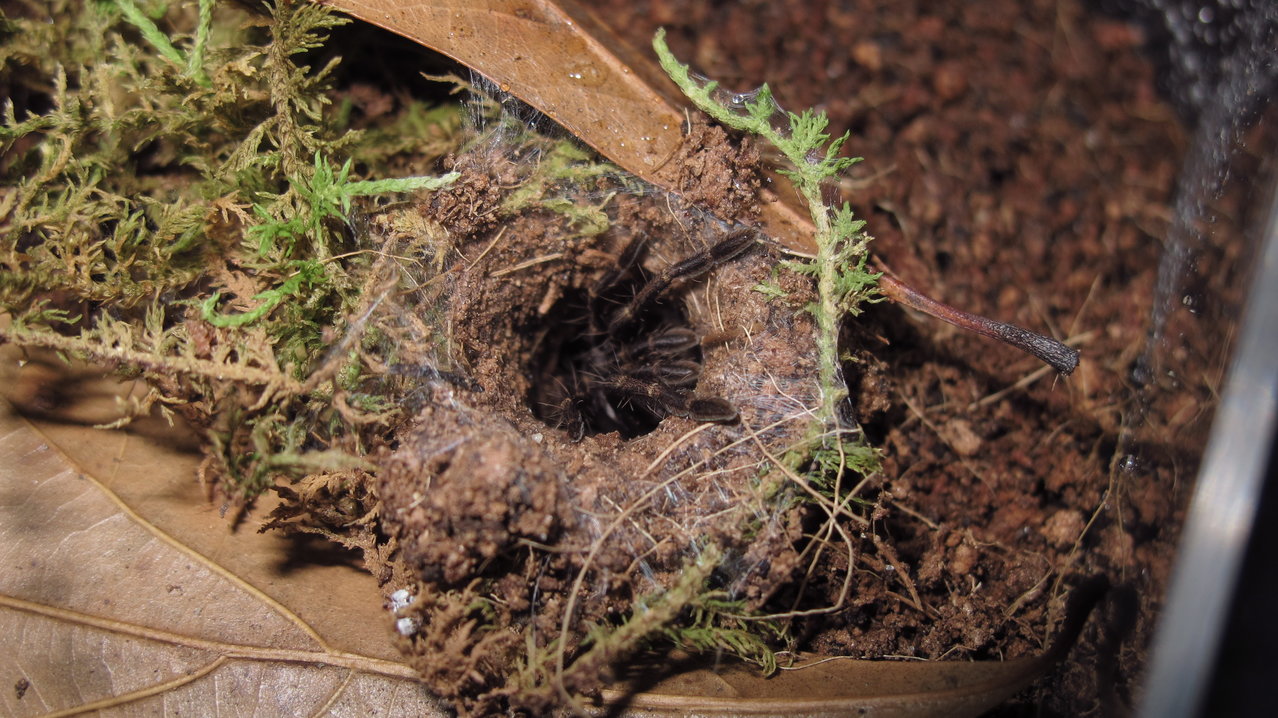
x=1019 y=164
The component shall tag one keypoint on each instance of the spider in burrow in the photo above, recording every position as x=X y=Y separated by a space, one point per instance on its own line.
x=615 y=357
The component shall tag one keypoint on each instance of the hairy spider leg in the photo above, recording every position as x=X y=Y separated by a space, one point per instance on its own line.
x=711 y=408
x=626 y=263
x=674 y=373
x=721 y=252
x=663 y=401
x=666 y=342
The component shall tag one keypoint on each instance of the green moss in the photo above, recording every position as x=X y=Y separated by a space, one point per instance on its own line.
x=159 y=158
x=566 y=165
x=838 y=268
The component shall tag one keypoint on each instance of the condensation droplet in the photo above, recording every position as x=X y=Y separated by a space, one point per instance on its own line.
x=586 y=73
x=1129 y=464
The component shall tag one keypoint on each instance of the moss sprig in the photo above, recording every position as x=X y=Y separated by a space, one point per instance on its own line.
x=839 y=267
x=834 y=448
x=193 y=61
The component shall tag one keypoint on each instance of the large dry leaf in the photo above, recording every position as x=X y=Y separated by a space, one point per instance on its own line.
x=840 y=687
x=555 y=57
x=123 y=588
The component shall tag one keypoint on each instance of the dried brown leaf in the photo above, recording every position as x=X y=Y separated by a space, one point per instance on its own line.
x=556 y=57
x=123 y=589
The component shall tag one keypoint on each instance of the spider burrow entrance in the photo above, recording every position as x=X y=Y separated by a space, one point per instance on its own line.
x=620 y=354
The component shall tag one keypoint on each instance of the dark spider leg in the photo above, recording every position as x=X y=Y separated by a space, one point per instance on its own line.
x=725 y=250
x=675 y=373
x=711 y=408
x=626 y=263
x=609 y=415
x=665 y=401
x=659 y=400
x=670 y=342
x=567 y=415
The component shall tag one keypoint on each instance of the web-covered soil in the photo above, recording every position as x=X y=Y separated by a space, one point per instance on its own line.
x=511 y=491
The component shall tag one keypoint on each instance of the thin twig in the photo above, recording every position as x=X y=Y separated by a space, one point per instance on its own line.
x=528 y=263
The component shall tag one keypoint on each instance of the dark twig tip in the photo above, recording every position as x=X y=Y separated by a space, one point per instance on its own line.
x=1060 y=357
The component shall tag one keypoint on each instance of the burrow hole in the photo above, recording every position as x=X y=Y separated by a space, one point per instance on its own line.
x=593 y=374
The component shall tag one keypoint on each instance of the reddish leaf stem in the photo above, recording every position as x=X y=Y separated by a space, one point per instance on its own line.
x=1061 y=358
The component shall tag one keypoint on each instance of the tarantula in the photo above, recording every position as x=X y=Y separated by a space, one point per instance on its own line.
x=616 y=358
